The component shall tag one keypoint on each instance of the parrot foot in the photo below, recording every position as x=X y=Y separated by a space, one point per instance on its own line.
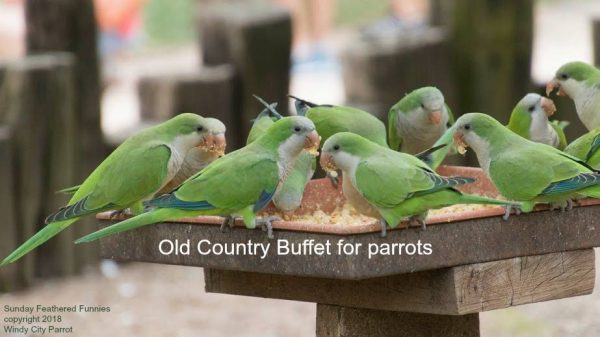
x=118 y=213
x=417 y=220
x=333 y=178
x=383 y=225
x=267 y=225
x=508 y=210
x=570 y=204
x=229 y=222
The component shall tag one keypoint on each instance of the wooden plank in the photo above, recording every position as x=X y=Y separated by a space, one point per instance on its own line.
x=523 y=280
x=450 y=291
x=453 y=244
x=335 y=321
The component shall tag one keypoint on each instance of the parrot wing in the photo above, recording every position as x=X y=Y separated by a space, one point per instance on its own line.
x=513 y=175
x=119 y=182
x=238 y=180
x=394 y=140
x=388 y=189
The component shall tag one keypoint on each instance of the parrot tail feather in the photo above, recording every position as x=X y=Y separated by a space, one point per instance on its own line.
x=157 y=215
x=39 y=238
x=475 y=199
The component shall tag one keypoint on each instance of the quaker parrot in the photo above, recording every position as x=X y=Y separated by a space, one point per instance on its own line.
x=289 y=195
x=134 y=172
x=331 y=119
x=418 y=120
x=240 y=183
x=587 y=148
x=522 y=170
x=581 y=82
x=529 y=119
x=199 y=157
x=396 y=184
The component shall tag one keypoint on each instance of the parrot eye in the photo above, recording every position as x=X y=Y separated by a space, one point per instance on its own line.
x=297 y=129
x=467 y=126
x=564 y=76
x=200 y=128
x=336 y=147
x=531 y=108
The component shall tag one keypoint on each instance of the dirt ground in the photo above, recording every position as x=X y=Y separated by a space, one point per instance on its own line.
x=158 y=300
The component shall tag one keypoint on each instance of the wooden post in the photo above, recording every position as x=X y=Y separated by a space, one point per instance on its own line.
x=256 y=39
x=596 y=41
x=492 y=44
x=9 y=275
x=335 y=321
x=208 y=92
x=70 y=26
x=38 y=104
x=491 y=53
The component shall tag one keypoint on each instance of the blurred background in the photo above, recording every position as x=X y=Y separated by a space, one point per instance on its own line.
x=78 y=77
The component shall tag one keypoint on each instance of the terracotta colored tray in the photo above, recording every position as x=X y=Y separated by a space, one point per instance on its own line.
x=320 y=194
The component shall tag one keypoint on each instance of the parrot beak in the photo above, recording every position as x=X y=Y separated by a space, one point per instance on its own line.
x=214 y=144
x=327 y=163
x=548 y=106
x=219 y=144
x=459 y=142
x=311 y=143
x=435 y=117
x=553 y=85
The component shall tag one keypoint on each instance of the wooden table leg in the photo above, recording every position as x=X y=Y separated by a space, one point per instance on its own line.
x=337 y=321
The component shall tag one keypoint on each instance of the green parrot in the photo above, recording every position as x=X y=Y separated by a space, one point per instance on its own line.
x=522 y=170
x=581 y=82
x=289 y=195
x=418 y=120
x=240 y=183
x=331 y=119
x=134 y=172
x=529 y=119
x=587 y=148
x=199 y=157
x=395 y=184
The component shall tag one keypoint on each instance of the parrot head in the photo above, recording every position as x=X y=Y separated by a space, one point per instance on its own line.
x=343 y=151
x=532 y=107
x=427 y=103
x=474 y=130
x=570 y=79
x=188 y=130
x=213 y=136
x=292 y=135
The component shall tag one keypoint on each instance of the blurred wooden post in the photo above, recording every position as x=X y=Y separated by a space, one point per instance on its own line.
x=208 y=92
x=256 y=39
x=491 y=45
x=70 y=26
x=37 y=102
x=596 y=40
x=9 y=275
x=378 y=74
